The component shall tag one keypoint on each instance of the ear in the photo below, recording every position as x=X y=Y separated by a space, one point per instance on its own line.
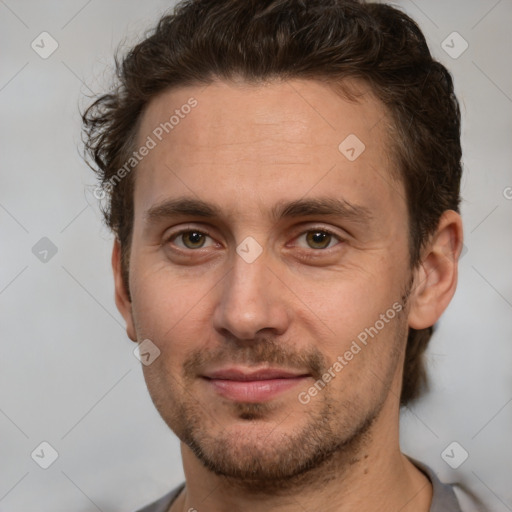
x=123 y=302
x=435 y=279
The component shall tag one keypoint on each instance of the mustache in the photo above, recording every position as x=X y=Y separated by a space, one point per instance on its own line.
x=254 y=353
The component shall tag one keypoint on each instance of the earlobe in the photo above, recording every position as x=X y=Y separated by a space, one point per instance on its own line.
x=436 y=277
x=122 y=299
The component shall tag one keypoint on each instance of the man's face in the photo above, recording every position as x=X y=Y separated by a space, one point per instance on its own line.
x=333 y=236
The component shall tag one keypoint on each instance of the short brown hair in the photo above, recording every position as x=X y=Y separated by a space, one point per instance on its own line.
x=261 y=40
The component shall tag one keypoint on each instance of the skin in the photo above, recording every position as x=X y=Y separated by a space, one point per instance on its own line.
x=246 y=149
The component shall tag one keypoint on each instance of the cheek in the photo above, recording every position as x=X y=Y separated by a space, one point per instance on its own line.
x=344 y=306
x=171 y=311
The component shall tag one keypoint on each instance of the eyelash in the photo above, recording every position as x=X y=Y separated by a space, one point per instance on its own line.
x=330 y=232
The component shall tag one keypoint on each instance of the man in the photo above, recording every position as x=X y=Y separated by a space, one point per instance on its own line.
x=282 y=178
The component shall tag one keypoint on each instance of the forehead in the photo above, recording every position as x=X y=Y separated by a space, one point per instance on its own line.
x=309 y=110
x=273 y=141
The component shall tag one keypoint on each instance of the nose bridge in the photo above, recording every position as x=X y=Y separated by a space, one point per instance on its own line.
x=249 y=301
x=245 y=280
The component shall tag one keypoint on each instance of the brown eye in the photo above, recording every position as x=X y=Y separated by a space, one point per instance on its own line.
x=318 y=239
x=190 y=239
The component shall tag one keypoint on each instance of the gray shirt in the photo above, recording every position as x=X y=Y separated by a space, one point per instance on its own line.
x=443 y=497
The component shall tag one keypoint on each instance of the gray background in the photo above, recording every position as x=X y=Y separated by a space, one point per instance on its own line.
x=68 y=375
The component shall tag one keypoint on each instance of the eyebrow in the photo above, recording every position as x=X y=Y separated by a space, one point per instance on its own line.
x=322 y=206
x=326 y=206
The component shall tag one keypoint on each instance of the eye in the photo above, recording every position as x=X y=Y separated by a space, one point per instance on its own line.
x=191 y=239
x=318 y=239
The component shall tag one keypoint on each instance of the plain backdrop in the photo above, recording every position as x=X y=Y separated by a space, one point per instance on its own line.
x=68 y=376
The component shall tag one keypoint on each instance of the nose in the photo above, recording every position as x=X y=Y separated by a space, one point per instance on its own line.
x=251 y=301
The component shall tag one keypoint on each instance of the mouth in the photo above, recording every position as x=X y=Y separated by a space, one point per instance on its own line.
x=244 y=385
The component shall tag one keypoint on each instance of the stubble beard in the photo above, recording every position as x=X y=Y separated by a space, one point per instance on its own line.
x=278 y=463
x=325 y=446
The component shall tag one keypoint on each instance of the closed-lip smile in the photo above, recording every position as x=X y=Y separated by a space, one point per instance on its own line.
x=250 y=385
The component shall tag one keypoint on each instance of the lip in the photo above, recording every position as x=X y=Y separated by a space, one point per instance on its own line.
x=252 y=386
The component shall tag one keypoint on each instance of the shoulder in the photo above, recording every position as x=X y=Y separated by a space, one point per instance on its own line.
x=444 y=498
